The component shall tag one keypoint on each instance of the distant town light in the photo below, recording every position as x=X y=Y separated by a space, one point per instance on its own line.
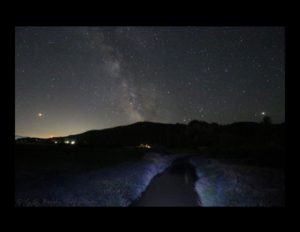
x=55 y=142
x=145 y=146
x=72 y=142
x=67 y=142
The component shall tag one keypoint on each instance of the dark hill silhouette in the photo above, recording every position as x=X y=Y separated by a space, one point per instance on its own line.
x=247 y=140
x=195 y=134
x=134 y=134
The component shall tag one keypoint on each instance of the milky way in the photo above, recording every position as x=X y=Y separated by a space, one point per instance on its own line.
x=73 y=79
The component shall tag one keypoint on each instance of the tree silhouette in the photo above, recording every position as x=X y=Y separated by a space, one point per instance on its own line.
x=267 y=120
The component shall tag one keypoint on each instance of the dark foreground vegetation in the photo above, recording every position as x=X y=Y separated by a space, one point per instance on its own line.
x=45 y=156
x=241 y=164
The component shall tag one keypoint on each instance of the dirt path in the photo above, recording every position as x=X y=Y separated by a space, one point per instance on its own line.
x=174 y=187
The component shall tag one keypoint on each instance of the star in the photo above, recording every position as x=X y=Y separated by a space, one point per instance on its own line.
x=100 y=77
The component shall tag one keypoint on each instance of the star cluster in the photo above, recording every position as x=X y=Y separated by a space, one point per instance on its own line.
x=73 y=79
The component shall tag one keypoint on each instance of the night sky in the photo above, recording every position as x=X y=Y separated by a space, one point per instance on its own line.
x=73 y=79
